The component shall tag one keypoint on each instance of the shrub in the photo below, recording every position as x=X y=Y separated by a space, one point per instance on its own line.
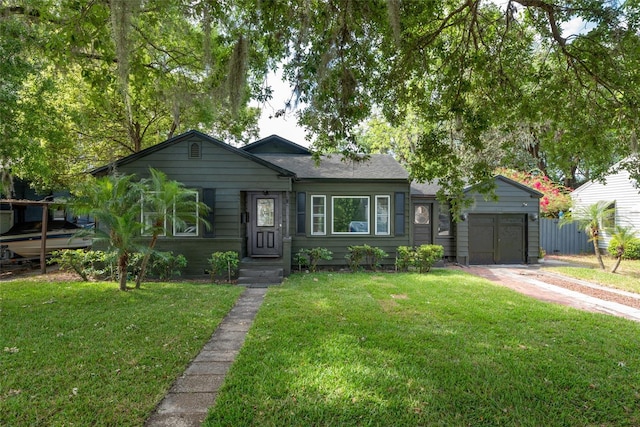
x=311 y=257
x=542 y=253
x=301 y=259
x=357 y=254
x=104 y=265
x=631 y=250
x=80 y=261
x=374 y=256
x=224 y=262
x=165 y=265
x=405 y=257
x=421 y=258
x=427 y=255
x=354 y=257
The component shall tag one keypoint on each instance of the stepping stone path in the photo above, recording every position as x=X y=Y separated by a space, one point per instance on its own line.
x=191 y=396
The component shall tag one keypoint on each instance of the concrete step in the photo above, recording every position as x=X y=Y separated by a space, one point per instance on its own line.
x=260 y=275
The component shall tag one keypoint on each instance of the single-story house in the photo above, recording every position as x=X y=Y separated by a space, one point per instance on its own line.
x=271 y=198
x=621 y=190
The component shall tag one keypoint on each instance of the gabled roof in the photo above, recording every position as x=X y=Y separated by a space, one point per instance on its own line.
x=376 y=167
x=531 y=191
x=430 y=189
x=275 y=144
x=182 y=137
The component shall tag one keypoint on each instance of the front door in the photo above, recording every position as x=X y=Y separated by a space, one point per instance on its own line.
x=422 y=223
x=265 y=222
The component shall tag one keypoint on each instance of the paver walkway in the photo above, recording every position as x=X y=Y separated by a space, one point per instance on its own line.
x=195 y=391
x=516 y=277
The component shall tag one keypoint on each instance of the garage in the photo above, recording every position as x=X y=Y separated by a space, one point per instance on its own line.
x=497 y=239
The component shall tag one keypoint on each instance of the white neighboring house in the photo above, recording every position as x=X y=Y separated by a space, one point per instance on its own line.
x=621 y=190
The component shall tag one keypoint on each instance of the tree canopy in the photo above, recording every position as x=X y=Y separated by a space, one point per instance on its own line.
x=479 y=80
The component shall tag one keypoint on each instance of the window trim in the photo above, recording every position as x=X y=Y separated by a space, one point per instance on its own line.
x=388 y=215
x=197 y=225
x=323 y=215
x=350 y=233
x=449 y=215
x=173 y=223
x=143 y=218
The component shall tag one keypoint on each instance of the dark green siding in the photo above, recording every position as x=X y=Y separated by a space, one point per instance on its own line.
x=218 y=169
x=338 y=244
x=511 y=200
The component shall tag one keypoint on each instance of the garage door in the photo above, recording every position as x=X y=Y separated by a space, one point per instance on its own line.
x=496 y=239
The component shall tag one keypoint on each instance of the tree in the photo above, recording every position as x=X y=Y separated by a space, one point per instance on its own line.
x=594 y=219
x=165 y=202
x=114 y=202
x=621 y=239
x=465 y=68
x=95 y=81
x=555 y=198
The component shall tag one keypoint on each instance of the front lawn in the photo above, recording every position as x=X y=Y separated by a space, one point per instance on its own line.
x=585 y=267
x=77 y=353
x=444 y=348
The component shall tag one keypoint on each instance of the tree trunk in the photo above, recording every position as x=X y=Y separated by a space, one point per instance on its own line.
x=596 y=248
x=617 y=264
x=123 y=261
x=619 y=253
x=145 y=261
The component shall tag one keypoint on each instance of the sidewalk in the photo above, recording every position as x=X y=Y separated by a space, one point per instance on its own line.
x=191 y=396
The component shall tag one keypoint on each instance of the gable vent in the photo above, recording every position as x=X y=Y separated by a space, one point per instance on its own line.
x=194 y=151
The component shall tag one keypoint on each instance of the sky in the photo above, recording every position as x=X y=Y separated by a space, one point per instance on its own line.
x=284 y=126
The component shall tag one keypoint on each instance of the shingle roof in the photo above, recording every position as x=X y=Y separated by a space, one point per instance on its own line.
x=182 y=137
x=425 y=188
x=378 y=166
x=275 y=144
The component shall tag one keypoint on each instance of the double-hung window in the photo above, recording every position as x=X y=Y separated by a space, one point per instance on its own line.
x=184 y=215
x=185 y=223
x=318 y=215
x=383 y=214
x=153 y=217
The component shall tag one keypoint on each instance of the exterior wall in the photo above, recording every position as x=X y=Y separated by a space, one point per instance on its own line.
x=230 y=175
x=619 y=188
x=448 y=242
x=511 y=200
x=338 y=244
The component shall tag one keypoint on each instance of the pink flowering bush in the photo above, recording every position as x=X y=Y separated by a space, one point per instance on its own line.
x=556 y=198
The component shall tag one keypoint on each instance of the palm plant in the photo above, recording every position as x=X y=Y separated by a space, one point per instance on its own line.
x=620 y=240
x=594 y=219
x=165 y=202
x=114 y=202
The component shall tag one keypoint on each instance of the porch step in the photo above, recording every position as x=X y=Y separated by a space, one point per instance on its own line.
x=260 y=273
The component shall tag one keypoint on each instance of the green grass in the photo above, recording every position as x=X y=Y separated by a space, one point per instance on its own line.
x=443 y=349
x=77 y=353
x=586 y=268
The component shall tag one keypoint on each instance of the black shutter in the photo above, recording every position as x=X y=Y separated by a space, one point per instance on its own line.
x=400 y=214
x=301 y=209
x=209 y=199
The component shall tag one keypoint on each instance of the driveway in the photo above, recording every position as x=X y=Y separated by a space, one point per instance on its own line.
x=551 y=287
